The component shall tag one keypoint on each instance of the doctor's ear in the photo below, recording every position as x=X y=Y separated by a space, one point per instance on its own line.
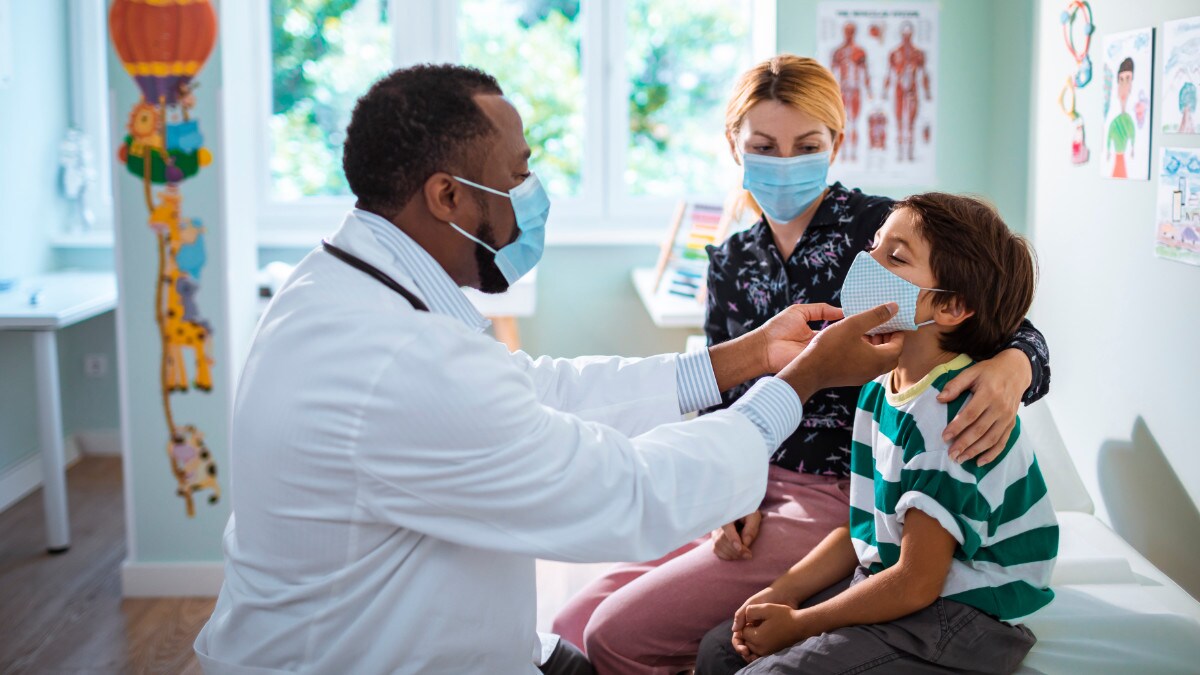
x=732 y=138
x=443 y=196
x=951 y=311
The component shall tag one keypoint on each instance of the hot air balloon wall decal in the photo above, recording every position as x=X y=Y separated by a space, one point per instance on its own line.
x=163 y=44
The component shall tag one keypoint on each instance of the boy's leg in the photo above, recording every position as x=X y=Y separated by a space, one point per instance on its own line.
x=566 y=659
x=717 y=655
x=946 y=637
x=655 y=623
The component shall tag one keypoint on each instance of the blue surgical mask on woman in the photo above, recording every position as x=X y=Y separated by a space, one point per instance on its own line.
x=785 y=186
x=869 y=284
x=531 y=205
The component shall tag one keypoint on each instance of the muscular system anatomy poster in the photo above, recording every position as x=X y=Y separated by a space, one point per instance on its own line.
x=884 y=56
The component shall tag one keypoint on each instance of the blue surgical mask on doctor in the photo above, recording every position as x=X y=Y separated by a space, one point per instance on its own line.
x=785 y=186
x=531 y=205
x=869 y=284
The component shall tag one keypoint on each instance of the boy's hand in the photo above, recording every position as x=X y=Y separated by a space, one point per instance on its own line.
x=729 y=544
x=768 y=629
x=767 y=596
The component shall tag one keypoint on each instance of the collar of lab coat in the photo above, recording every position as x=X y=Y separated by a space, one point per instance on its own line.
x=385 y=246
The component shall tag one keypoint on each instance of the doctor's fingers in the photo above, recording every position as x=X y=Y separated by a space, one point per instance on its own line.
x=844 y=358
x=818 y=311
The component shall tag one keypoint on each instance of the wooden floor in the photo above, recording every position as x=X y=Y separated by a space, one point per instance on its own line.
x=64 y=613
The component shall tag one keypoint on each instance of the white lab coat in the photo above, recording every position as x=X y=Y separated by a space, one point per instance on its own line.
x=395 y=474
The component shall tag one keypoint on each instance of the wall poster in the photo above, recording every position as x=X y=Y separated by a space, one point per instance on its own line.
x=884 y=56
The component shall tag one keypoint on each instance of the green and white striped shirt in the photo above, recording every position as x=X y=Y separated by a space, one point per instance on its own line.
x=1000 y=513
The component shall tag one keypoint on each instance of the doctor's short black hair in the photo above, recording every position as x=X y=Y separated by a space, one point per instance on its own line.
x=411 y=124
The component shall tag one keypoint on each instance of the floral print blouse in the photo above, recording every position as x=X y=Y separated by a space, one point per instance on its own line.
x=749 y=282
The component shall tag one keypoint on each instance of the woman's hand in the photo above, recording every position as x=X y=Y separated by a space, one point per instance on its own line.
x=729 y=544
x=788 y=333
x=982 y=428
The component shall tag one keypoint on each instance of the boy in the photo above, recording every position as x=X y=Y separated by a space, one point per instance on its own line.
x=939 y=561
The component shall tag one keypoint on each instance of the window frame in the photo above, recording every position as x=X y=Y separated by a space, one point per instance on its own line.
x=88 y=83
x=602 y=213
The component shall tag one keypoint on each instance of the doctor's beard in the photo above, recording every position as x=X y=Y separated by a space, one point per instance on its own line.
x=491 y=279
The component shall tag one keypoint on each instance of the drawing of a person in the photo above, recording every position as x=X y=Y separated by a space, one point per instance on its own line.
x=849 y=66
x=1187 y=108
x=1121 y=130
x=906 y=63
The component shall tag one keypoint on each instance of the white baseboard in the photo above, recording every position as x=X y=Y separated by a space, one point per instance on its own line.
x=99 y=442
x=25 y=476
x=171 y=580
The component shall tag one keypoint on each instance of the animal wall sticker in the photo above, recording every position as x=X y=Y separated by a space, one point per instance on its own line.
x=163 y=44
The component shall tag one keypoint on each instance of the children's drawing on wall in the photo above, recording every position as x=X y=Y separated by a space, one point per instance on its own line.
x=1178 y=235
x=163 y=44
x=1129 y=57
x=1181 y=75
x=1077 y=29
x=884 y=56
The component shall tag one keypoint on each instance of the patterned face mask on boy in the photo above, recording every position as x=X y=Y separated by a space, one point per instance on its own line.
x=869 y=284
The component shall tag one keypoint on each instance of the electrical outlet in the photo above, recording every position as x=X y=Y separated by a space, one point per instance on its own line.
x=95 y=365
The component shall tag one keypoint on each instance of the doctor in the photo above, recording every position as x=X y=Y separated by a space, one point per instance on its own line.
x=396 y=471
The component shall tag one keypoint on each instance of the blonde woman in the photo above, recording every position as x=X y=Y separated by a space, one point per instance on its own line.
x=784 y=124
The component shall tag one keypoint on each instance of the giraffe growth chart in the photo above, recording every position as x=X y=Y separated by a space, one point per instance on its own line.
x=163 y=44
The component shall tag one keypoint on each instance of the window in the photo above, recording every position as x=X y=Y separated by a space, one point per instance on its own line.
x=623 y=100
x=324 y=55
x=90 y=223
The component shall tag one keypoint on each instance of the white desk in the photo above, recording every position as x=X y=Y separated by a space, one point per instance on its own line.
x=502 y=308
x=62 y=299
x=665 y=310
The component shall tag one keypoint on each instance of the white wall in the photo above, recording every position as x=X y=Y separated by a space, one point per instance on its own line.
x=1123 y=326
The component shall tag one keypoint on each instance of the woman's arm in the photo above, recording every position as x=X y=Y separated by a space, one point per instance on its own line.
x=1019 y=372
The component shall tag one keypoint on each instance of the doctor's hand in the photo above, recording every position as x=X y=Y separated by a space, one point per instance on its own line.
x=788 y=333
x=843 y=355
x=769 y=348
x=730 y=544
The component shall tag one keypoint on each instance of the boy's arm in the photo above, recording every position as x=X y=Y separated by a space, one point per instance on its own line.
x=912 y=584
x=831 y=561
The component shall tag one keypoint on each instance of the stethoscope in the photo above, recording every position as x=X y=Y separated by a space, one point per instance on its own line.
x=364 y=266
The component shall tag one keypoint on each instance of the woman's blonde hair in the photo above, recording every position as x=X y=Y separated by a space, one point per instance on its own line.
x=798 y=81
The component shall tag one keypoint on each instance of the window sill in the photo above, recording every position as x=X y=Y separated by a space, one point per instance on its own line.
x=101 y=239
x=594 y=236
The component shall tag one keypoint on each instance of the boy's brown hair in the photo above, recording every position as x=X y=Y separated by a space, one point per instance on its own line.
x=977 y=258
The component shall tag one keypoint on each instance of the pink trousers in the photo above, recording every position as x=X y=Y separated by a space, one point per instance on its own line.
x=650 y=617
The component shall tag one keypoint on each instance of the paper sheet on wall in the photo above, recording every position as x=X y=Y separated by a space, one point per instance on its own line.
x=1128 y=88
x=1181 y=76
x=884 y=56
x=1178 y=234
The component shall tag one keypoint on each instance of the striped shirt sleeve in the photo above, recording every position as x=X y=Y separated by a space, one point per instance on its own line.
x=696 y=381
x=774 y=407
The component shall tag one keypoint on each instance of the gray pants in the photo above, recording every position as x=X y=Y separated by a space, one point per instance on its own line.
x=945 y=637
x=566 y=659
